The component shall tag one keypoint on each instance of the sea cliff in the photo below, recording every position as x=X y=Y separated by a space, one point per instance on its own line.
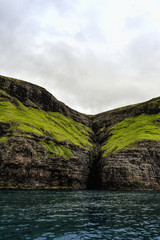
x=46 y=144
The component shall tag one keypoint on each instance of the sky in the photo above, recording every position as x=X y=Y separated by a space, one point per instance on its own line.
x=93 y=55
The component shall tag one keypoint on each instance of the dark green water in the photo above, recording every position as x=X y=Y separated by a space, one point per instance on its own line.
x=66 y=215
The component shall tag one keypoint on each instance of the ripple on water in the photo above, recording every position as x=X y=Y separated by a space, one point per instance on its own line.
x=60 y=215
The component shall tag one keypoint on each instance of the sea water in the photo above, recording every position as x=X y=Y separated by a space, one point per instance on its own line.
x=66 y=215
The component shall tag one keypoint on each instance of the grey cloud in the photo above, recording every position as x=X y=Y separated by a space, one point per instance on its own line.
x=97 y=85
x=81 y=37
x=79 y=77
x=82 y=79
x=134 y=23
x=64 y=6
x=91 y=32
x=143 y=53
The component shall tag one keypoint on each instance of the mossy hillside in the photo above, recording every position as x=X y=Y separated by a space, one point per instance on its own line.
x=57 y=151
x=54 y=125
x=125 y=134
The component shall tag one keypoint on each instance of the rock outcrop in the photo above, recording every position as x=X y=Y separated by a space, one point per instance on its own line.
x=136 y=168
x=46 y=144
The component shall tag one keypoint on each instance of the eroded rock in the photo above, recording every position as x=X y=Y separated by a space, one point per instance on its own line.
x=32 y=156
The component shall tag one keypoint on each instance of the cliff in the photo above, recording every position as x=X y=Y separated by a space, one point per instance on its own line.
x=46 y=144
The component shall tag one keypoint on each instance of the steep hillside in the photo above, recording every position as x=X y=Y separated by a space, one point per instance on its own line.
x=45 y=144
x=41 y=145
x=129 y=140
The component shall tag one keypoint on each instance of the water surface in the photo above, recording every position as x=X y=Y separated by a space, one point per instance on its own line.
x=66 y=215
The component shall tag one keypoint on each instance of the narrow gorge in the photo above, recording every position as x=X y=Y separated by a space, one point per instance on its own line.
x=44 y=144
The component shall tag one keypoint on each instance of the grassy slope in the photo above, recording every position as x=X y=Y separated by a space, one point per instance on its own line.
x=26 y=121
x=131 y=130
x=31 y=122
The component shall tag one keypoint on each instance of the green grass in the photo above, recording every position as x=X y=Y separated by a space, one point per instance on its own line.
x=3 y=92
x=4 y=139
x=125 y=134
x=37 y=122
x=58 y=151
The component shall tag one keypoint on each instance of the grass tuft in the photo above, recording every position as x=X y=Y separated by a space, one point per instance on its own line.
x=4 y=139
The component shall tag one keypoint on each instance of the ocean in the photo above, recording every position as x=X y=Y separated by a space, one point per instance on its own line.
x=66 y=215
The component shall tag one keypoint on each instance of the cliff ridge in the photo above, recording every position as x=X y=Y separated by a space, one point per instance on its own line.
x=46 y=144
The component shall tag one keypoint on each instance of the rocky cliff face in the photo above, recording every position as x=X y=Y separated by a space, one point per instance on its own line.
x=45 y=144
x=136 y=168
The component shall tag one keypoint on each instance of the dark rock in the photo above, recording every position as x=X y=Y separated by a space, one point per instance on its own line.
x=133 y=168
x=26 y=163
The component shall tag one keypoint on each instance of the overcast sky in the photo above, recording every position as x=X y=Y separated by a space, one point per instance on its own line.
x=93 y=55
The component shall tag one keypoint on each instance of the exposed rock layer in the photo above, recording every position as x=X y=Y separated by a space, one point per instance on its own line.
x=136 y=168
x=28 y=161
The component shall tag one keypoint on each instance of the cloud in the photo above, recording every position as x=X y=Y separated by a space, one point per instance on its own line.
x=92 y=56
x=144 y=52
x=64 y=6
